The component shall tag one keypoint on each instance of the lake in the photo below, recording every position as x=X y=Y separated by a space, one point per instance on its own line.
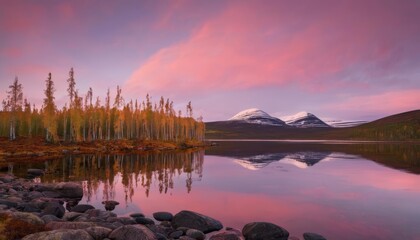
x=342 y=190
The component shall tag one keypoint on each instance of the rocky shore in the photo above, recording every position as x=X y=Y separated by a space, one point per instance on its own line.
x=30 y=211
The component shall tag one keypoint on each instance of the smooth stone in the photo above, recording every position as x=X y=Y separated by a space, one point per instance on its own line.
x=62 y=234
x=163 y=216
x=109 y=225
x=28 y=207
x=51 y=194
x=160 y=229
x=110 y=205
x=70 y=216
x=69 y=225
x=226 y=236
x=197 y=221
x=196 y=234
x=26 y=217
x=7 y=178
x=81 y=208
x=8 y=203
x=69 y=189
x=98 y=233
x=100 y=213
x=50 y=218
x=160 y=236
x=313 y=236
x=166 y=224
x=264 y=230
x=176 y=234
x=144 y=221
x=35 y=195
x=12 y=191
x=132 y=232
x=136 y=215
x=54 y=208
x=185 y=238
x=183 y=229
x=35 y=172
x=123 y=220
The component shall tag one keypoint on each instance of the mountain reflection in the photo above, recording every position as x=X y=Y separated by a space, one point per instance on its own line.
x=133 y=171
x=300 y=159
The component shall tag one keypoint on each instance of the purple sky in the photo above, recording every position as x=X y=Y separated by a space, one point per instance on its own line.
x=356 y=60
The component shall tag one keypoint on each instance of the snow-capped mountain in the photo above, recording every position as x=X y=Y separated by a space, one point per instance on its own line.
x=304 y=120
x=342 y=123
x=257 y=116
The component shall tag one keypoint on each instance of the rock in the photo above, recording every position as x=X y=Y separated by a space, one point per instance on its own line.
x=8 y=203
x=54 y=208
x=6 y=178
x=166 y=224
x=51 y=194
x=28 y=207
x=186 y=238
x=35 y=172
x=196 y=234
x=144 y=221
x=264 y=230
x=197 y=221
x=183 y=229
x=26 y=217
x=70 y=216
x=123 y=220
x=110 y=205
x=163 y=216
x=132 y=232
x=160 y=236
x=99 y=213
x=35 y=195
x=69 y=190
x=12 y=191
x=135 y=215
x=62 y=234
x=98 y=233
x=226 y=236
x=160 y=229
x=50 y=218
x=69 y=225
x=109 y=225
x=313 y=236
x=81 y=208
x=176 y=234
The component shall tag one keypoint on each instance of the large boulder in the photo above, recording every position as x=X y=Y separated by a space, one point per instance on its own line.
x=313 y=236
x=110 y=204
x=69 y=190
x=197 y=221
x=98 y=233
x=264 y=230
x=69 y=225
x=35 y=172
x=226 y=236
x=62 y=234
x=26 y=217
x=163 y=216
x=132 y=232
x=196 y=234
x=54 y=208
x=81 y=208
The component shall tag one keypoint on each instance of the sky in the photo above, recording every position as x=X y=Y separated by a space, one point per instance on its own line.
x=349 y=60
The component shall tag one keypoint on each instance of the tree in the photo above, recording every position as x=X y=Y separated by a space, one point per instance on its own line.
x=49 y=110
x=71 y=90
x=15 y=98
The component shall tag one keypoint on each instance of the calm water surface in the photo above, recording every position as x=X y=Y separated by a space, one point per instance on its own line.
x=342 y=191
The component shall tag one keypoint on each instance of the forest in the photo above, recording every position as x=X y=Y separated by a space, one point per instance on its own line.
x=84 y=118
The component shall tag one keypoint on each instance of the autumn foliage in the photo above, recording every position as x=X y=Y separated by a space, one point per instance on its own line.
x=84 y=118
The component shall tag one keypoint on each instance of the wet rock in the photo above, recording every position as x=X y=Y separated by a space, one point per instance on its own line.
x=136 y=215
x=35 y=195
x=69 y=190
x=99 y=213
x=81 y=208
x=186 y=238
x=6 y=178
x=12 y=191
x=54 y=208
x=8 y=203
x=70 y=216
x=35 y=172
x=132 y=232
x=28 y=207
x=50 y=218
x=197 y=221
x=98 y=233
x=69 y=225
x=313 y=236
x=166 y=224
x=163 y=216
x=123 y=220
x=196 y=234
x=226 y=236
x=110 y=205
x=26 y=217
x=176 y=234
x=62 y=234
x=51 y=194
x=183 y=229
x=160 y=229
x=109 y=225
x=264 y=230
x=144 y=221
x=160 y=236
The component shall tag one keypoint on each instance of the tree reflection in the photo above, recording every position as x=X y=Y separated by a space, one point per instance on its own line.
x=134 y=171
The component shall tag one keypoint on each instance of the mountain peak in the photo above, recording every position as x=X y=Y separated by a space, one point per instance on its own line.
x=304 y=119
x=255 y=115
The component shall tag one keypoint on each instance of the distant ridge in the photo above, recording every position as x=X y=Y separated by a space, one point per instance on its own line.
x=257 y=116
x=304 y=120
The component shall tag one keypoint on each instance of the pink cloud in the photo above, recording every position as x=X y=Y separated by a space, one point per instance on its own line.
x=383 y=103
x=257 y=45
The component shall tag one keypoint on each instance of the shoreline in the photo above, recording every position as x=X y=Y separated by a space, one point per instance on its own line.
x=36 y=149
x=31 y=210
